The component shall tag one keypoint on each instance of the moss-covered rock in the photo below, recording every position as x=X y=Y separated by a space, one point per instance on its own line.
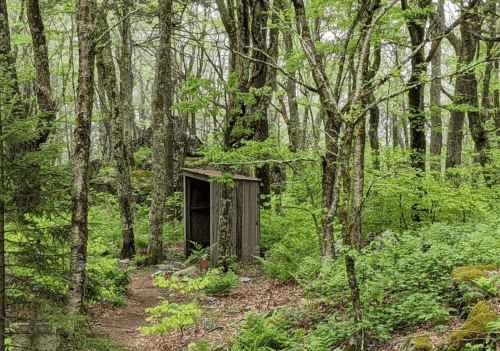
x=474 y=331
x=442 y=320
x=468 y=274
x=417 y=343
x=140 y=181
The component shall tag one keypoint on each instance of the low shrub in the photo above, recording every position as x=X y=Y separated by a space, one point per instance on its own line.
x=218 y=283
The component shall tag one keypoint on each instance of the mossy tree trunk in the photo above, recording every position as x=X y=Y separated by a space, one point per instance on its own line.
x=106 y=70
x=161 y=116
x=85 y=13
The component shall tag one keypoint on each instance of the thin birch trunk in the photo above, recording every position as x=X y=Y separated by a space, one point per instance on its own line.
x=85 y=13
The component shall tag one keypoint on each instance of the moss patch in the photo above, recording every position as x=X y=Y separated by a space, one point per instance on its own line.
x=439 y=321
x=417 y=343
x=474 y=330
x=140 y=181
x=468 y=274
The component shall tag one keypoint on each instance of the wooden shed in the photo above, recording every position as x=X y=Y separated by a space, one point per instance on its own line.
x=202 y=200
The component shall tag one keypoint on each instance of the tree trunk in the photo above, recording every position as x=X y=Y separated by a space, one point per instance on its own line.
x=160 y=109
x=10 y=85
x=374 y=110
x=416 y=27
x=350 y=190
x=43 y=90
x=107 y=71
x=435 y=104
x=465 y=85
x=2 y=236
x=126 y=82
x=85 y=13
x=292 y=122
x=332 y=126
x=266 y=78
x=496 y=105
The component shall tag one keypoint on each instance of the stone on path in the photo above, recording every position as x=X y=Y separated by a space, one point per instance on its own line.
x=124 y=261
x=166 y=267
x=156 y=273
x=244 y=280
x=188 y=271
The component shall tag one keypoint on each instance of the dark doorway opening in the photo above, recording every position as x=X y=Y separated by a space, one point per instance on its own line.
x=199 y=213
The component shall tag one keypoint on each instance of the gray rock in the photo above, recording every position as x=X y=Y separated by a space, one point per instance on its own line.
x=166 y=267
x=156 y=273
x=210 y=299
x=221 y=347
x=209 y=325
x=244 y=280
x=188 y=271
x=125 y=261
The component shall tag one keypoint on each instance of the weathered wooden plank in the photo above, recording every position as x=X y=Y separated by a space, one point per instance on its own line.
x=215 y=202
x=245 y=257
x=238 y=219
x=257 y=226
x=234 y=214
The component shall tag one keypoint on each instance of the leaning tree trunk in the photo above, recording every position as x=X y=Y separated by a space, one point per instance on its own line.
x=159 y=110
x=85 y=13
x=43 y=90
x=106 y=69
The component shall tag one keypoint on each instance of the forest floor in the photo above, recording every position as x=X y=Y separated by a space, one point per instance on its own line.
x=225 y=312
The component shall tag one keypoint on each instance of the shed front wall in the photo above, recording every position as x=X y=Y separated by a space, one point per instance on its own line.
x=245 y=218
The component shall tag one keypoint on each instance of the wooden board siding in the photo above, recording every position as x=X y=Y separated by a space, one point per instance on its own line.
x=215 y=202
x=238 y=219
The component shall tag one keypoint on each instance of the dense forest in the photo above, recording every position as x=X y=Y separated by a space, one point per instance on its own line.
x=372 y=125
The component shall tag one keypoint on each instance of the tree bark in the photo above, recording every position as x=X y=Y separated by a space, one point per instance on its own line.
x=126 y=82
x=10 y=85
x=106 y=69
x=43 y=91
x=85 y=13
x=374 y=110
x=160 y=109
x=436 y=143
x=292 y=122
x=332 y=126
x=3 y=285
x=465 y=92
x=416 y=28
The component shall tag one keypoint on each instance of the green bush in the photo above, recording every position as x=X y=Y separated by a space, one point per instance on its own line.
x=327 y=335
x=105 y=281
x=218 y=283
x=260 y=333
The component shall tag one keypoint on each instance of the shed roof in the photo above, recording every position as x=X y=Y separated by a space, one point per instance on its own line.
x=213 y=173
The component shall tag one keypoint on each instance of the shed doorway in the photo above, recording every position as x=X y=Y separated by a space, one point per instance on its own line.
x=199 y=213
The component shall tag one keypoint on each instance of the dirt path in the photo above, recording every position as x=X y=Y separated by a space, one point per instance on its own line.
x=225 y=312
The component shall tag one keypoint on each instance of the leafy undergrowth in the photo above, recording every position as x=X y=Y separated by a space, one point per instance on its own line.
x=407 y=287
